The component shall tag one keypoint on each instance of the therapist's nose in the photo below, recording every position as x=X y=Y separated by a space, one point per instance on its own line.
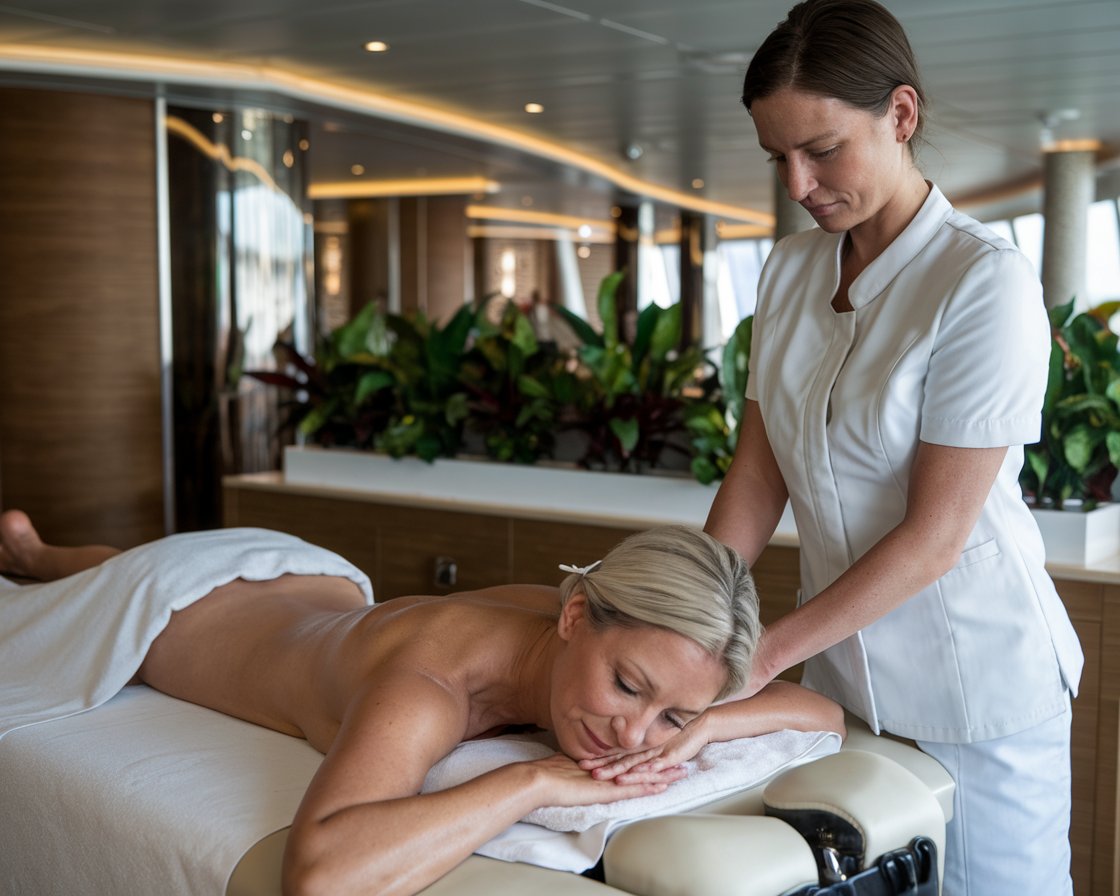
x=799 y=180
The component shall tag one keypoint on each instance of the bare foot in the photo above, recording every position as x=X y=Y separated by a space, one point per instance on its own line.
x=20 y=545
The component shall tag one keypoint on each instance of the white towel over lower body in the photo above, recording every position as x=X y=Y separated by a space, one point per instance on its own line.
x=70 y=645
x=572 y=838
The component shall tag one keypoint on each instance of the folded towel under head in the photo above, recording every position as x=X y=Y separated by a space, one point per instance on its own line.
x=572 y=838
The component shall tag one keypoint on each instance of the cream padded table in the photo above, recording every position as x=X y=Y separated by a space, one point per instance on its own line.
x=148 y=794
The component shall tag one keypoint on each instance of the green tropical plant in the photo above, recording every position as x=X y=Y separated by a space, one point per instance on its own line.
x=383 y=382
x=407 y=386
x=1079 y=452
x=714 y=425
x=635 y=395
x=516 y=387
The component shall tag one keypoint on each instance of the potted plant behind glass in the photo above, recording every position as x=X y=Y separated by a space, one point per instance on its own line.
x=637 y=397
x=1069 y=473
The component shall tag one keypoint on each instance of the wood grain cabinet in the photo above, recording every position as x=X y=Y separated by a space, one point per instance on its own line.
x=405 y=548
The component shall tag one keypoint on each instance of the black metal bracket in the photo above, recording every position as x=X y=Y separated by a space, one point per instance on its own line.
x=910 y=871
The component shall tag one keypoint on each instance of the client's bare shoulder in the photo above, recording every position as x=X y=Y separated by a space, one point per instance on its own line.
x=469 y=644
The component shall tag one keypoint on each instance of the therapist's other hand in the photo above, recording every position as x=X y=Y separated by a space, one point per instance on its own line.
x=651 y=764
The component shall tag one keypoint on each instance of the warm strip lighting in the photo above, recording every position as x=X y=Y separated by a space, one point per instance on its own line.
x=524 y=216
x=231 y=76
x=727 y=231
x=219 y=153
x=1073 y=146
x=515 y=232
x=421 y=186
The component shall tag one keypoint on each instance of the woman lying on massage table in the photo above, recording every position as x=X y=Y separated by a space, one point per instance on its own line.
x=619 y=659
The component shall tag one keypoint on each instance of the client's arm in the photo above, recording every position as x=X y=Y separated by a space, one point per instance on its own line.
x=778 y=706
x=363 y=826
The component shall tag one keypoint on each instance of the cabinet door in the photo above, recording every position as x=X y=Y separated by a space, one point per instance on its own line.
x=349 y=528
x=539 y=547
x=436 y=551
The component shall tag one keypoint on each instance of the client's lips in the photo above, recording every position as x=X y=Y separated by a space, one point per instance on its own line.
x=598 y=744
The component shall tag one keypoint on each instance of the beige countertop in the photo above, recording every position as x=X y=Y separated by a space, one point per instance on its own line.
x=537 y=492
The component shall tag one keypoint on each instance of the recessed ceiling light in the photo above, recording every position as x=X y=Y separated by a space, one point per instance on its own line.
x=375 y=46
x=534 y=108
x=584 y=251
x=218 y=117
x=357 y=170
x=698 y=183
x=305 y=144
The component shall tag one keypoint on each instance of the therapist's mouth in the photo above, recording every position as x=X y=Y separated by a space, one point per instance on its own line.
x=821 y=211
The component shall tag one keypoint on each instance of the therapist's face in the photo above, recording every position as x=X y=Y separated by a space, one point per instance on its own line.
x=844 y=165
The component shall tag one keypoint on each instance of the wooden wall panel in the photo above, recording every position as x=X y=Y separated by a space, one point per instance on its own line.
x=1106 y=834
x=1084 y=601
x=343 y=526
x=414 y=541
x=540 y=546
x=80 y=434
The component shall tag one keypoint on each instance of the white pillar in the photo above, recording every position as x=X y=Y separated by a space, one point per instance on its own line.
x=1067 y=194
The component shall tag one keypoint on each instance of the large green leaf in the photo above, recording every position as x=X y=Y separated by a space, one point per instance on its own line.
x=666 y=332
x=372 y=383
x=608 y=307
x=627 y=432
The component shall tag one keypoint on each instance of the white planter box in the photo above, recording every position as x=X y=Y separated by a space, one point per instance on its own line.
x=1072 y=537
x=542 y=492
x=1078 y=538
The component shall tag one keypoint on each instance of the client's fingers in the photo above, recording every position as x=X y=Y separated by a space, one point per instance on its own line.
x=612 y=766
x=646 y=776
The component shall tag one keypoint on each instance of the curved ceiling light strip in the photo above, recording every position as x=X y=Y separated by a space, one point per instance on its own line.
x=98 y=64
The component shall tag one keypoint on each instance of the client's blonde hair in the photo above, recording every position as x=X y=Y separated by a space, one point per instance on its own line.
x=681 y=579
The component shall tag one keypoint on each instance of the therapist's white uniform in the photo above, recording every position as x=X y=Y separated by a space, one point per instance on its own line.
x=947 y=343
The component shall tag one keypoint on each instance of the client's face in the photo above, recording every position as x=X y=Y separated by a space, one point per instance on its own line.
x=623 y=690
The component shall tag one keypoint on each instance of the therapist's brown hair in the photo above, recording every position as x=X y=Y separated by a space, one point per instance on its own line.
x=854 y=51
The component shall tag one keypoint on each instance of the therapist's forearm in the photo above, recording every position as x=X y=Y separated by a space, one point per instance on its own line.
x=903 y=563
x=947 y=490
x=780 y=705
x=752 y=496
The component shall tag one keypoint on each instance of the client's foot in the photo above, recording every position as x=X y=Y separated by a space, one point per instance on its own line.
x=21 y=549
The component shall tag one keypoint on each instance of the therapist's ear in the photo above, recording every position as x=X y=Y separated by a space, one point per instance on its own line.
x=904 y=111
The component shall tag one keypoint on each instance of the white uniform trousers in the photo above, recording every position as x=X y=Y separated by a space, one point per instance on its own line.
x=1009 y=835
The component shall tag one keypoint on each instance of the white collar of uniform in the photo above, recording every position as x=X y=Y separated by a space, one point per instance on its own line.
x=877 y=276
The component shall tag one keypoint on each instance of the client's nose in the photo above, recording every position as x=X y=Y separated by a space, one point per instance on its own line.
x=630 y=731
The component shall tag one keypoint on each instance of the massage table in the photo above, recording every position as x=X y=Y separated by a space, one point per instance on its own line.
x=141 y=796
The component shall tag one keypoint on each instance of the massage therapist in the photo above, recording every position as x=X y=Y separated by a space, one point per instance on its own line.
x=898 y=365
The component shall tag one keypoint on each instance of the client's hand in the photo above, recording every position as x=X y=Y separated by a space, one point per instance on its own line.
x=566 y=783
x=636 y=767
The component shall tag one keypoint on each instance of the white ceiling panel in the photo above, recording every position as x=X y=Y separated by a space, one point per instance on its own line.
x=664 y=75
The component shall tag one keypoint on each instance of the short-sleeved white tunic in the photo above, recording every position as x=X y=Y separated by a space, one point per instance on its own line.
x=947 y=343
